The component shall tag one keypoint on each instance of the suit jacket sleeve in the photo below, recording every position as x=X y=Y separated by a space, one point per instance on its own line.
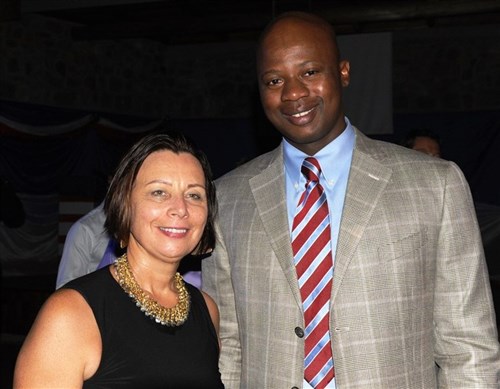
x=466 y=346
x=216 y=281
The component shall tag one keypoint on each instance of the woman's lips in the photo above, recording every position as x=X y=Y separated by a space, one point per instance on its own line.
x=174 y=232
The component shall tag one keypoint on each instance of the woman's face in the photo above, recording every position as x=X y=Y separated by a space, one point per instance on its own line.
x=169 y=206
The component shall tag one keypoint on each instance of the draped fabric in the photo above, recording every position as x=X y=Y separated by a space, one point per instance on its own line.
x=32 y=248
x=41 y=147
x=47 y=154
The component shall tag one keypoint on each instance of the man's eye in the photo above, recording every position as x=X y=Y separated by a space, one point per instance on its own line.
x=311 y=72
x=273 y=82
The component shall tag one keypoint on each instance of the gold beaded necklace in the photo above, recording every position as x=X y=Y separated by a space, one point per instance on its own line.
x=171 y=317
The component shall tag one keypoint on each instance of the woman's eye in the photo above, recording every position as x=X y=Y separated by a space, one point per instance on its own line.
x=194 y=196
x=158 y=193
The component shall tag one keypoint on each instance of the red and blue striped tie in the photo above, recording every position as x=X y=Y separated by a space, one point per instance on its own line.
x=311 y=246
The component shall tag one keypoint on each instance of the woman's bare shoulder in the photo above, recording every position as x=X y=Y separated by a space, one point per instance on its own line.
x=62 y=344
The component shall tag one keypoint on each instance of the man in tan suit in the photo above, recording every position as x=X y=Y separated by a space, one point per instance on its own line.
x=410 y=305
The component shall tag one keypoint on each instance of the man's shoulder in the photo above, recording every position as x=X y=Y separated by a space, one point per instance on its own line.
x=247 y=170
x=89 y=226
x=393 y=154
x=407 y=167
x=96 y=217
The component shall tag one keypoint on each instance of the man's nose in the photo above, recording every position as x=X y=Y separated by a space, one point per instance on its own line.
x=294 y=89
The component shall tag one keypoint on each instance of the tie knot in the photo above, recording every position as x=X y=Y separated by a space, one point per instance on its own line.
x=311 y=169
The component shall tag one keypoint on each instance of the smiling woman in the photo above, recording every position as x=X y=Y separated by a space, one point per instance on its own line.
x=160 y=206
x=168 y=206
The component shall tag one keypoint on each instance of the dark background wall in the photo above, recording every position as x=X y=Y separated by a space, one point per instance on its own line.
x=209 y=88
x=440 y=69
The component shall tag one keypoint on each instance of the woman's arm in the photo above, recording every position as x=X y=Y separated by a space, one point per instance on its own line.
x=63 y=347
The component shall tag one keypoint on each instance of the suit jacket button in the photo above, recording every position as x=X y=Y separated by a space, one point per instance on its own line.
x=294 y=387
x=299 y=332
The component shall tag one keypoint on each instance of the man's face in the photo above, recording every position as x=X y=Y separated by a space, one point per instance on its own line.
x=300 y=83
x=427 y=145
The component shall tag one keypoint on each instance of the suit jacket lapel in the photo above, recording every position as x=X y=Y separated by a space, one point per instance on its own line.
x=367 y=181
x=266 y=187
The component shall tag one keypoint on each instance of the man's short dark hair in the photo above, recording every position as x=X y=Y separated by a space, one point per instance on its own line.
x=409 y=139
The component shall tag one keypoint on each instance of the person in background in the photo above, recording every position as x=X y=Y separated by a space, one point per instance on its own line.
x=87 y=247
x=343 y=261
x=136 y=323
x=423 y=140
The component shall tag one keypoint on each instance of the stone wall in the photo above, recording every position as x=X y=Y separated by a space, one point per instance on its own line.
x=441 y=69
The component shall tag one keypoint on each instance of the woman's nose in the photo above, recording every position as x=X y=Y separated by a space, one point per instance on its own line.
x=178 y=207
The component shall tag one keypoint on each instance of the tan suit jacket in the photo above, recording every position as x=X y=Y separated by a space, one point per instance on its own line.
x=410 y=287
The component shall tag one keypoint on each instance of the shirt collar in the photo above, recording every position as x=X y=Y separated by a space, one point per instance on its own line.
x=335 y=154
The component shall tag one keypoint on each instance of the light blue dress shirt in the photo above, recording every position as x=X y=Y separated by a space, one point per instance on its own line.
x=335 y=161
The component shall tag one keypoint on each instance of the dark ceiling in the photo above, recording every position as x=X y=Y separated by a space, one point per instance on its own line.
x=195 y=21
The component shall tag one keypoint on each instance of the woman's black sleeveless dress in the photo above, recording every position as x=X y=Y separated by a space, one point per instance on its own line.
x=139 y=353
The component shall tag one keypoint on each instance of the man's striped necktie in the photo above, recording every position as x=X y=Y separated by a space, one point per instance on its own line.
x=311 y=246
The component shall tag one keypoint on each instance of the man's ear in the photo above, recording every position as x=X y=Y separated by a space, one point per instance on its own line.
x=345 y=76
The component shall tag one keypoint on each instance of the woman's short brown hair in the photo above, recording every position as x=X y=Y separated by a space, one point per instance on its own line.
x=117 y=203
